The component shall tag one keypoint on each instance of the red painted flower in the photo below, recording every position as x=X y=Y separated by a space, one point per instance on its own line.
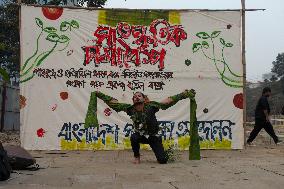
x=52 y=13
x=107 y=112
x=64 y=95
x=238 y=101
x=22 y=101
x=40 y=132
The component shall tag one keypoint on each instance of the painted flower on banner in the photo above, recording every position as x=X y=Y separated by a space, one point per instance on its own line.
x=107 y=112
x=64 y=95
x=40 y=132
x=238 y=101
x=52 y=13
x=51 y=35
x=207 y=43
x=22 y=101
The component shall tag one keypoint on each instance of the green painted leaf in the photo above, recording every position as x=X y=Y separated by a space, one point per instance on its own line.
x=63 y=39
x=187 y=62
x=205 y=44
x=50 y=29
x=74 y=24
x=4 y=74
x=2 y=46
x=64 y=26
x=53 y=37
x=39 y=22
x=196 y=47
x=223 y=41
x=215 y=34
x=203 y=35
x=229 y=45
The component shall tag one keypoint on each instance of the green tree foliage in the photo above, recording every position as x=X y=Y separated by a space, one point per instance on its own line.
x=96 y=3
x=55 y=2
x=276 y=101
x=278 y=65
x=273 y=78
x=9 y=37
x=4 y=75
x=89 y=3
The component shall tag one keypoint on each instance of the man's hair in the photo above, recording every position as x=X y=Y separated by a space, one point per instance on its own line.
x=140 y=93
x=265 y=90
x=144 y=96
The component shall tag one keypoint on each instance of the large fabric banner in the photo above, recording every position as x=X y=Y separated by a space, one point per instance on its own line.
x=68 y=54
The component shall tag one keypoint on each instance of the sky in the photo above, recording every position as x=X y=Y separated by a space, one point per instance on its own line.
x=264 y=29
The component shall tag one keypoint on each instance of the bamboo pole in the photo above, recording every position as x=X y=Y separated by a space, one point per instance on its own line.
x=127 y=9
x=244 y=67
x=20 y=49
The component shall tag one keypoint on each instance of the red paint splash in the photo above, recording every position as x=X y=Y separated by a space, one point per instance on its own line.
x=53 y=108
x=107 y=112
x=22 y=101
x=40 y=132
x=52 y=13
x=239 y=101
x=64 y=95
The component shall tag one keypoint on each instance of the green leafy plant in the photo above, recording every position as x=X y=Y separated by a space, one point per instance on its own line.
x=172 y=153
x=4 y=74
x=208 y=44
x=36 y=59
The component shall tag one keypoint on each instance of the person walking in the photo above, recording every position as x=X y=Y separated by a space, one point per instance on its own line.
x=262 y=118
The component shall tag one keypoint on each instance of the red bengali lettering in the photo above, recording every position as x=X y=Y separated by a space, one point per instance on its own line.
x=125 y=45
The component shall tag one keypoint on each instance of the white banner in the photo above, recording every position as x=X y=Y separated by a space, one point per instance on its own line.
x=68 y=53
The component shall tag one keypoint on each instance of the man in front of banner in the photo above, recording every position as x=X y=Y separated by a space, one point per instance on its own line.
x=146 y=127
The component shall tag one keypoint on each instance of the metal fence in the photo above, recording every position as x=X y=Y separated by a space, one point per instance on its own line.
x=12 y=107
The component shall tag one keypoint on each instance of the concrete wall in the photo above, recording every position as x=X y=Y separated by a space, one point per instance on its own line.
x=12 y=110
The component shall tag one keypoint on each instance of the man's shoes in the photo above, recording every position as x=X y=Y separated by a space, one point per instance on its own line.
x=279 y=142
x=250 y=144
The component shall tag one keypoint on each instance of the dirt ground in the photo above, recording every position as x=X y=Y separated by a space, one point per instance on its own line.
x=260 y=166
x=10 y=137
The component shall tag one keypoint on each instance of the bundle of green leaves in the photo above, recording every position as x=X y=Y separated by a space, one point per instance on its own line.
x=172 y=153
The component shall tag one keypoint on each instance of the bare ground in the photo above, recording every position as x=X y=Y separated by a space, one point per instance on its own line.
x=259 y=167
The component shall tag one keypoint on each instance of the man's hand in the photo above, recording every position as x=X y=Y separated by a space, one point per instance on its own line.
x=186 y=91
x=266 y=115
x=268 y=118
x=114 y=100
